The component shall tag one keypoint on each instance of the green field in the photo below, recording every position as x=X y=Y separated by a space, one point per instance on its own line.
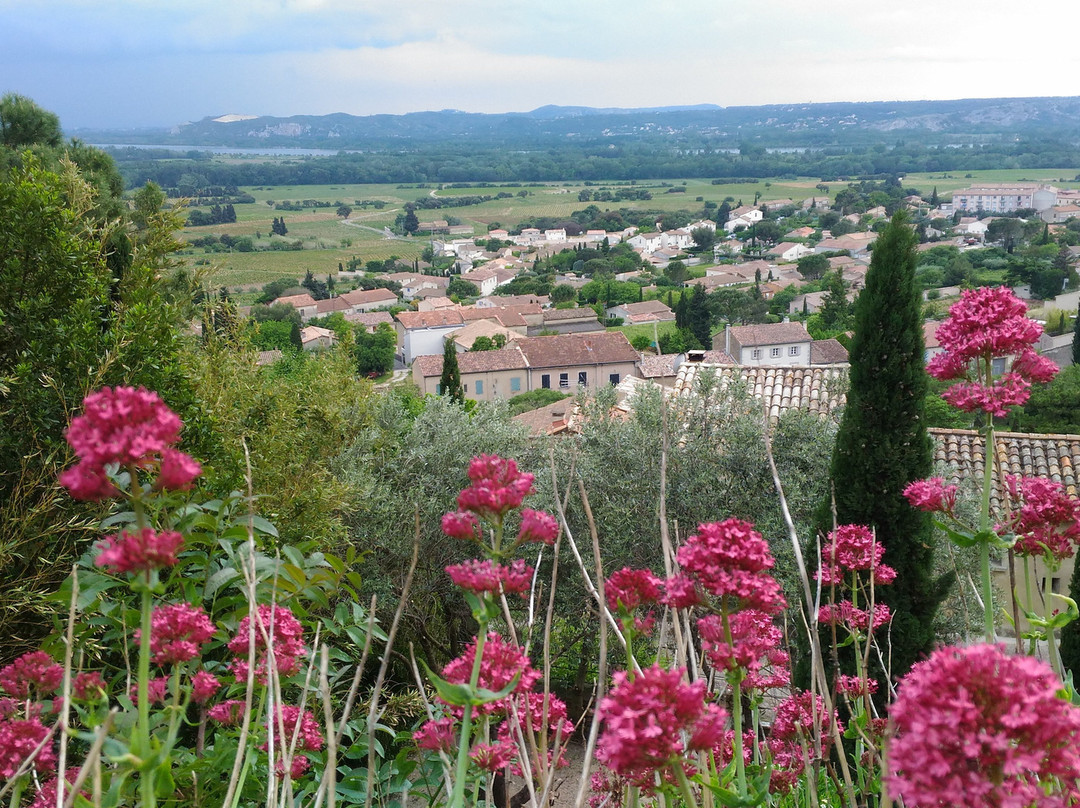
x=328 y=240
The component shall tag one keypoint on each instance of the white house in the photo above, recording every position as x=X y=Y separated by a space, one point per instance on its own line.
x=767 y=344
x=421 y=332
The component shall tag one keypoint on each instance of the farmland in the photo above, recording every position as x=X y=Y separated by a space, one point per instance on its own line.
x=327 y=240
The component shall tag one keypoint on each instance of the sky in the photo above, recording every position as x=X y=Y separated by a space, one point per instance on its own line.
x=133 y=63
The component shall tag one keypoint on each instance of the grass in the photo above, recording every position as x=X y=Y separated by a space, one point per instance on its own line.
x=328 y=240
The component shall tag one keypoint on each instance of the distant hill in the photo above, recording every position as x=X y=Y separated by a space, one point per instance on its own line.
x=964 y=121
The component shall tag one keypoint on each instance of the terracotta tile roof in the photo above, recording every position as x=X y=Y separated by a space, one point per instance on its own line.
x=331 y=305
x=296 y=301
x=268 y=357
x=1055 y=457
x=820 y=390
x=929 y=330
x=508 y=358
x=437 y=318
x=569 y=350
x=551 y=419
x=369 y=318
x=653 y=366
x=465 y=337
x=647 y=307
x=770 y=334
x=827 y=352
x=504 y=315
x=360 y=297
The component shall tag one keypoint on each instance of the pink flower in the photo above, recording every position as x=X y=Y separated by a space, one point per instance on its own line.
x=985 y=324
x=286 y=634
x=46 y=797
x=299 y=765
x=157 y=689
x=203 y=687
x=499 y=664
x=308 y=735
x=730 y=559
x=931 y=495
x=461 y=525
x=681 y=592
x=975 y=726
x=228 y=713
x=18 y=740
x=537 y=526
x=856 y=687
x=497 y=487
x=178 y=471
x=89 y=686
x=481 y=576
x=628 y=589
x=852 y=548
x=845 y=615
x=774 y=673
x=32 y=674
x=753 y=635
x=1048 y=521
x=799 y=719
x=176 y=632
x=492 y=757
x=436 y=735
x=127 y=427
x=139 y=552
x=646 y=720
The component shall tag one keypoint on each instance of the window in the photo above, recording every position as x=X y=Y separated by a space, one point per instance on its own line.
x=793 y=350
x=515 y=384
x=545 y=381
x=613 y=379
x=756 y=353
x=997 y=366
x=774 y=352
x=564 y=381
x=438 y=389
x=479 y=388
x=583 y=378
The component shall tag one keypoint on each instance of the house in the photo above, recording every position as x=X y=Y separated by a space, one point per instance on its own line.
x=331 y=305
x=513 y=300
x=369 y=320
x=828 y=352
x=305 y=304
x=767 y=344
x=370 y=299
x=1005 y=197
x=412 y=283
x=822 y=202
x=465 y=337
x=566 y=361
x=789 y=251
x=434 y=302
x=422 y=332
x=486 y=280
x=799 y=232
x=314 y=338
x=648 y=243
x=568 y=321
x=648 y=311
x=820 y=389
x=855 y=243
x=775 y=204
x=1061 y=213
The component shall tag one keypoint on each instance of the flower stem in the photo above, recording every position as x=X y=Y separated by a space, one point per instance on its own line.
x=461 y=769
x=989 y=456
x=147 y=768
x=1051 y=640
x=684 y=786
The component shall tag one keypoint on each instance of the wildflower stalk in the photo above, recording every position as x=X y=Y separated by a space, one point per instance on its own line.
x=684 y=787
x=457 y=799
x=984 y=530
x=1051 y=640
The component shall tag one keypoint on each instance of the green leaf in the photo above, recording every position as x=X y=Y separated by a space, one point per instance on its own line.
x=264 y=526
x=221 y=578
x=452 y=694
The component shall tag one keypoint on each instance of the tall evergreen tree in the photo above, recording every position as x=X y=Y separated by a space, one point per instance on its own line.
x=1076 y=338
x=699 y=318
x=882 y=444
x=450 y=380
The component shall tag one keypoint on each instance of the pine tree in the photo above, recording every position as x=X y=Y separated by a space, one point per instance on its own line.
x=450 y=380
x=698 y=317
x=882 y=444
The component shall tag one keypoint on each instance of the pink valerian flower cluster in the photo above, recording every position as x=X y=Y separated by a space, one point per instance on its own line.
x=46 y=795
x=493 y=757
x=652 y=720
x=436 y=735
x=157 y=690
x=932 y=495
x=286 y=634
x=729 y=560
x=500 y=662
x=88 y=686
x=985 y=324
x=141 y=551
x=753 y=635
x=1048 y=521
x=857 y=621
x=177 y=631
x=976 y=726
x=800 y=720
x=530 y=717
x=497 y=487
x=852 y=548
x=480 y=576
x=18 y=740
x=628 y=589
x=855 y=686
x=230 y=713
x=203 y=687
x=125 y=427
x=32 y=675
x=303 y=724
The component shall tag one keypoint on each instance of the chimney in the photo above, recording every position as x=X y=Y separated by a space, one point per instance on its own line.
x=727 y=339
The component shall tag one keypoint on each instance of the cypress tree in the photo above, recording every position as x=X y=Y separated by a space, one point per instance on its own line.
x=882 y=444
x=450 y=381
x=1076 y=339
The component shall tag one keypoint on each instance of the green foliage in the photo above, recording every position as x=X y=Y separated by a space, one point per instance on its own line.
x=523 y=402
x=563 y=293
x=23 y=123
x=375 y=352
x=461 y=289
x=275 y=335
x=882 y=444
x=1053 y=407
x=813 y=266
